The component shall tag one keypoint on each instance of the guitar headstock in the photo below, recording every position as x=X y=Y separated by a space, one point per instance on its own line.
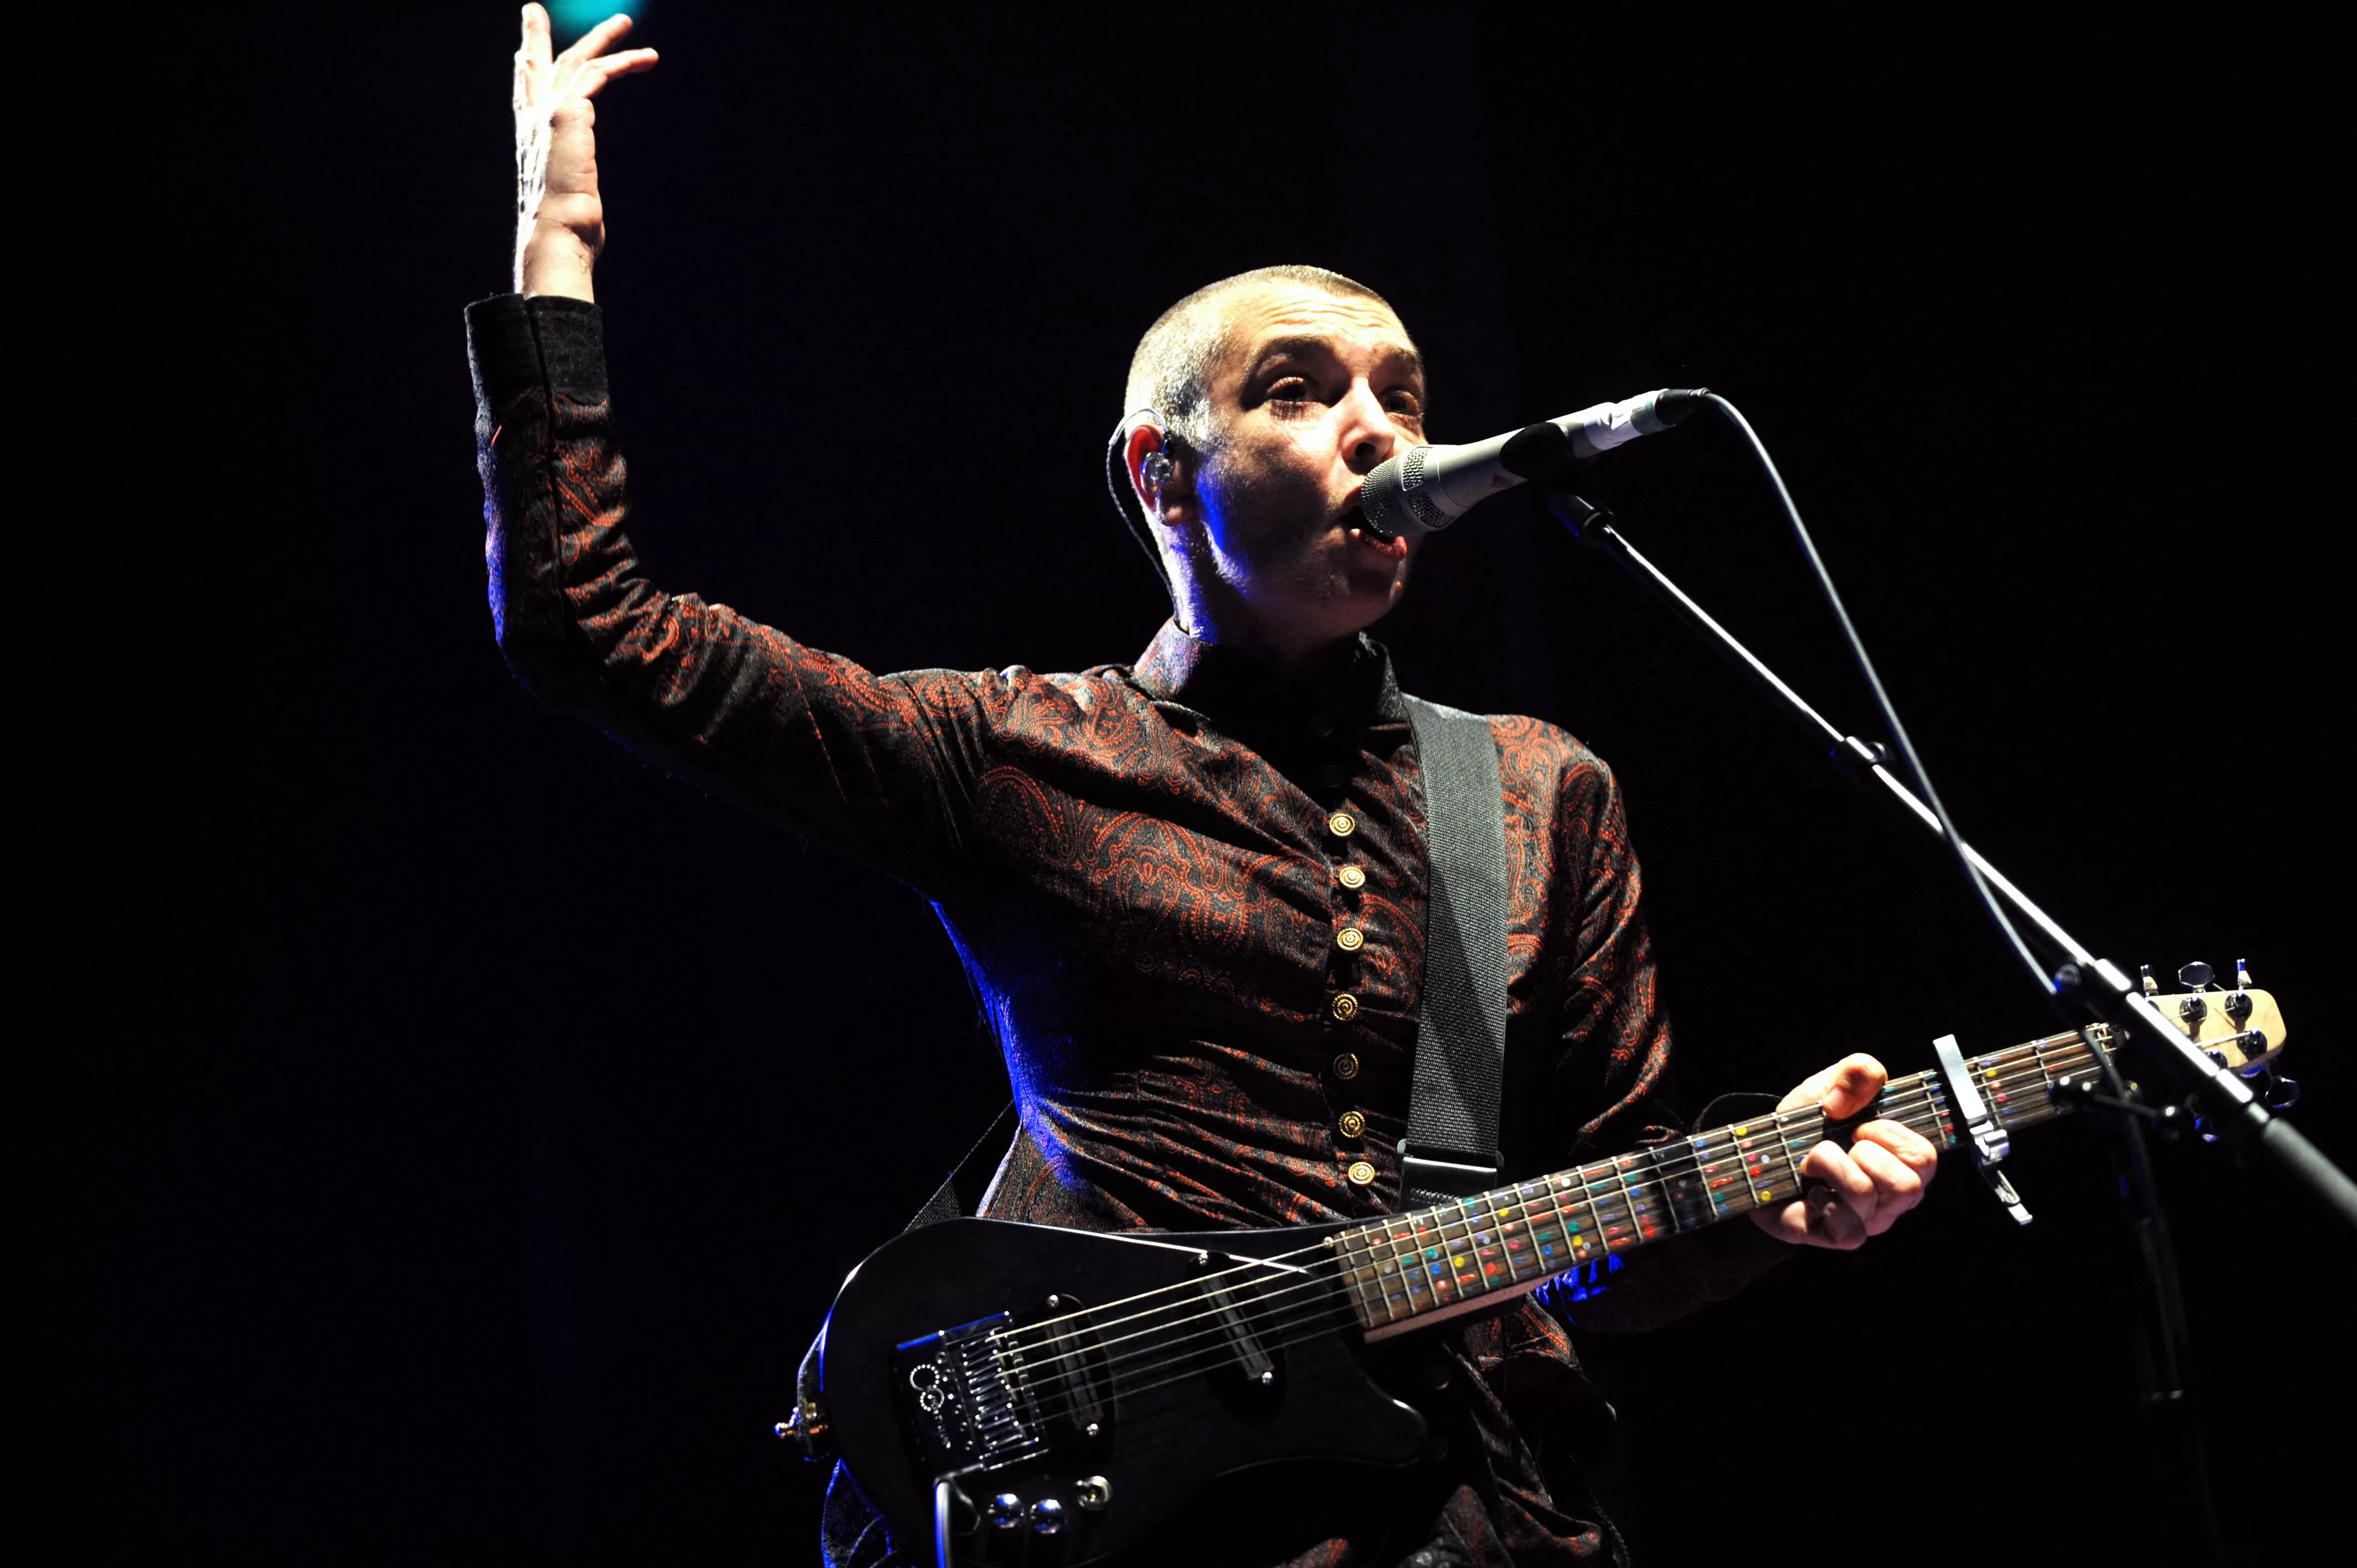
x=2242 y=1028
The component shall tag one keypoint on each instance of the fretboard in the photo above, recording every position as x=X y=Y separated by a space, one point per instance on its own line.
x=1411 y=1269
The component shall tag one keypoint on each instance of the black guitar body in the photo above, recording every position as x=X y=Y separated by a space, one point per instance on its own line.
x=1075 y=1429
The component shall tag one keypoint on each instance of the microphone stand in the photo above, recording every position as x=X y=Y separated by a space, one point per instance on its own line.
x=2093 y=986
x=2096 y=988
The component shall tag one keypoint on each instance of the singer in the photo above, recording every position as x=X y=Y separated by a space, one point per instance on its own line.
x=1192 y=889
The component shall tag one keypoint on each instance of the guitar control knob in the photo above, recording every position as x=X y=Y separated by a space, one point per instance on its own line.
x=1046 y=1516
x=1095 y=1493
x=1007 y=1510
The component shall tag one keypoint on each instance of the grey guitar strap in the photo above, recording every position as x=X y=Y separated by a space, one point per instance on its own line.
x=1451 y=1148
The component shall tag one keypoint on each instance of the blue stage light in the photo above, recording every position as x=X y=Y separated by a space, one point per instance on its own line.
x=568 y=19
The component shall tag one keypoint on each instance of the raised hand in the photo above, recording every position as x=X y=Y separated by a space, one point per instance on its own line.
x=560 y=222
x=1848 y=1195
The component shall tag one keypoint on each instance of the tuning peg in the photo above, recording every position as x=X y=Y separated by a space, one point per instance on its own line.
x=2195 y=975
x=2279 y=1092
x=2238 y=1001
x=2151 y=987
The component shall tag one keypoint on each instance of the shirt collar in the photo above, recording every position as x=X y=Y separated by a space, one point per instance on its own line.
x=1352 y=685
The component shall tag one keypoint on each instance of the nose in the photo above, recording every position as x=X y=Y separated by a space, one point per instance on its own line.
x=1368 y=435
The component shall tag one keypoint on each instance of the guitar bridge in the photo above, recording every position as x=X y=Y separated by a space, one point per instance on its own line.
x=959 y=1402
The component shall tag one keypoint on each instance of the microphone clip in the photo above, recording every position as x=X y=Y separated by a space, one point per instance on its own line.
x=1583 y=518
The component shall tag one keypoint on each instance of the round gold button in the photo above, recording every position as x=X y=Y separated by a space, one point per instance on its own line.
x=1347 y=1065
x=1351 y=876
x=1361 y=1172
x=1353 y=1124
x=1342 y=824
x=1346 y=1007
x=1349 y=938
x=1334 y=775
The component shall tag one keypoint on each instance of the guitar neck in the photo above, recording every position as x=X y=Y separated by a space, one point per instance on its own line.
x=1410 y=1270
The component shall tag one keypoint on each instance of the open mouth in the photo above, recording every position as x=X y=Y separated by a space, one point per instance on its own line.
x=1355 y=525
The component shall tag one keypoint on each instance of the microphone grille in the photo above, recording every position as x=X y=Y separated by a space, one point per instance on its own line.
x=1396 y=500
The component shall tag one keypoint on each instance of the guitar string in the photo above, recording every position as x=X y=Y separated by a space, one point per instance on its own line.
x=1310 y=1323
x=1909 y=1106
x=1499 y=1220
x=1913 y=1091
x=1335 y=1279
x=1271 y=1308
x=1339 y=1281
x=1020 y=1338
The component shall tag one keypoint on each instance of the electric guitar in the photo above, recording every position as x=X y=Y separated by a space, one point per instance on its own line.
x=1029 y=1394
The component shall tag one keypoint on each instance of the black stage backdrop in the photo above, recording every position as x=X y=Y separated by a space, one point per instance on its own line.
x=475 y=1122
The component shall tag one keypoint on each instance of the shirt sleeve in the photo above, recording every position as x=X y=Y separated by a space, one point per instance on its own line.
x=877 y=764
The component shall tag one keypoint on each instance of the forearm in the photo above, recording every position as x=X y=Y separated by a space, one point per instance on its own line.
x=810 y=740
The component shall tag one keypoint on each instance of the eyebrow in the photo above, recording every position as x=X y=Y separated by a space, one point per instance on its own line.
x=1306 y=344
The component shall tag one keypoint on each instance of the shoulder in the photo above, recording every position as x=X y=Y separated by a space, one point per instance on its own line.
x=1037 y=704
x=1546 y=762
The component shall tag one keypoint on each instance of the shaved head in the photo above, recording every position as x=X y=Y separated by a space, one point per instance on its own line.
x=1172 y=368
x=1279 y=391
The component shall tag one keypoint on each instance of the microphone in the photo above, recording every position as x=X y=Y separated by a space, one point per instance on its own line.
x=1426 y=489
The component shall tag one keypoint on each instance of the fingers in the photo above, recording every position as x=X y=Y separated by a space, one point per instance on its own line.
x=596 y=74
x=596 y=41
x=1843 y=1089
x=1837 y=1170
x=1818 y=1217
x=1898 y=1185
x=1850 y=1195
x=582 y=69
x=1851 y=1085
x=534 y=49
x=1909 y=1145
x=1878 y=1178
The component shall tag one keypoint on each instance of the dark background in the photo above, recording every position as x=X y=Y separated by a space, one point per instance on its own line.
x=470 y=1124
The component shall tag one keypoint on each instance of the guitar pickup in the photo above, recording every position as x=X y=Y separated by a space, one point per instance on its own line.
x=1252 y=1357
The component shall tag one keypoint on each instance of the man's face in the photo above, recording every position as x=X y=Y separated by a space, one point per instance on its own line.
x=1312 y=392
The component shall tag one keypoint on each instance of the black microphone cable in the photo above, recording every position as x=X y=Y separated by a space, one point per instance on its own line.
x=1888 y=714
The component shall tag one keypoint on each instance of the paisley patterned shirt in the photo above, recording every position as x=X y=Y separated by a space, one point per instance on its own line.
x=1191 y=894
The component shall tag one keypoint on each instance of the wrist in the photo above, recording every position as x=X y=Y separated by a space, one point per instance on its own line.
x=555 y=261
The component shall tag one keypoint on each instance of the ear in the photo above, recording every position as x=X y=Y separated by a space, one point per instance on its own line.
x=1147 y=442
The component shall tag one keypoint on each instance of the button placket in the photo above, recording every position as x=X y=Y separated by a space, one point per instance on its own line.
x=1350 y=938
